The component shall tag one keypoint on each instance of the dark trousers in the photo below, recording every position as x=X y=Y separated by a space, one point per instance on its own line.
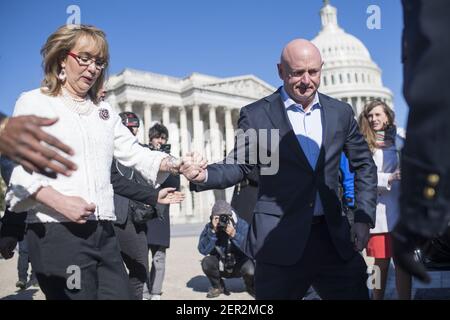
x=23 y=262
x=133 y=247
x=244 y=268
x=320 y=267
x=77 y=261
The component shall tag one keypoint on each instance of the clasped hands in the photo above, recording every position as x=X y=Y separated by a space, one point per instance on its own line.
x=192 y=166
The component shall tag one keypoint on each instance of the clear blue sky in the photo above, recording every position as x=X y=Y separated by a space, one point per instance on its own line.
x=176 y=37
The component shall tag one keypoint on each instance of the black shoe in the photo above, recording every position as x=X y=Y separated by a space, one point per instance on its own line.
x=21 y=285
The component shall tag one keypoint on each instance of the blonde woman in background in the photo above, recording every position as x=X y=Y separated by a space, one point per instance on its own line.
x=376 y=123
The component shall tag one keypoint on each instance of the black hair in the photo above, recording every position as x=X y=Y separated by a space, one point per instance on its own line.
x=157 y=131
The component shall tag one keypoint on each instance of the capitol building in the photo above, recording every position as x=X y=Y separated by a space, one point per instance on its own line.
x=348 y=74
x=201 y=111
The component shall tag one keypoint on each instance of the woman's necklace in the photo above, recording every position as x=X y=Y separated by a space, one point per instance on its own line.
x=79 y=106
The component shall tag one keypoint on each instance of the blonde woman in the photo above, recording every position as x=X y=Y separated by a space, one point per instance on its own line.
x=73 y=247
x=376 y=123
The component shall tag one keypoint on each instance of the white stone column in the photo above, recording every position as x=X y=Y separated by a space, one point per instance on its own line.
x=165 y=116
x=185 y=136
x=228 y=143
x=147 y=119
x=214 y=135
x=229 y=136
x=128 y=106
x=214 y=144
x=174 y=130
x=358 y=106
x=229 y=131
x=174 y=140
x=186 y=205
x=197 y=146
x=207 y=150
x=198 y=132
x=216 y=155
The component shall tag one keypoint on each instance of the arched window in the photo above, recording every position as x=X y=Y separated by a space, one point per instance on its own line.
x=341 y=80
x=332 y=80
x=325 y=81
x=349 y=78
x=356 y=77
x=363 y=76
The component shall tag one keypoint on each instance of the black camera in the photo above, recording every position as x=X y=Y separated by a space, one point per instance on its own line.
x=224 y=220
x=163 y=148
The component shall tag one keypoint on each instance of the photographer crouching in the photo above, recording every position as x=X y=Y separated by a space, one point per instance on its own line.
x=222 y=242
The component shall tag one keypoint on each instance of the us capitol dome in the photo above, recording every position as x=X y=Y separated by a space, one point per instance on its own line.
x=348 y=74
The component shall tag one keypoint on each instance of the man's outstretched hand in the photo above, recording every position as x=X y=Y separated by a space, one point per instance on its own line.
x=21 y=140
x=193 y=167
x=404 y=245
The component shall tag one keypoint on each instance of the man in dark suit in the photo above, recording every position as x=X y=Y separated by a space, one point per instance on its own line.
x=425 y=184
x=298 y=235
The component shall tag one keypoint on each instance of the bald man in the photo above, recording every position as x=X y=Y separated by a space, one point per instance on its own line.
x=298 y=235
